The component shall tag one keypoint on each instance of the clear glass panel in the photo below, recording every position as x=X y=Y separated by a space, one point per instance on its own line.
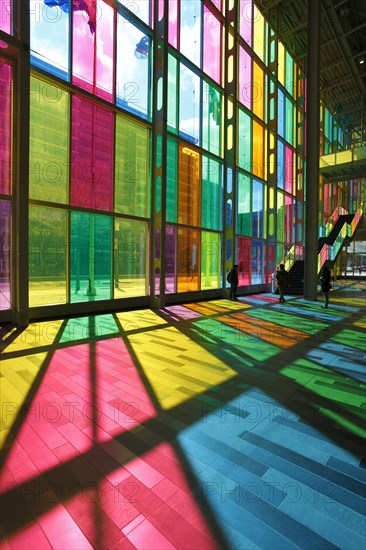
x=141 y=8
x=49 y=142
x=190 y=30
x=47 y=256
x=189 y=105
x=49 y=36
x=130 y=258
x=90 y=257
x=5 y=255
x=132 y=172
x=133 y=68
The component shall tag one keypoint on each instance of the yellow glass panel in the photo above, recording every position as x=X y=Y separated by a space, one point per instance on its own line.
x=258 y=91
x=281 y=63
x=258 y=150
x=17 y=377
x=259 y=25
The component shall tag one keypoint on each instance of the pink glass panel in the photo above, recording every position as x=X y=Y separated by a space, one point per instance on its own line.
x=212 y=46
x=5 y=127
x=289 y=215
x=104 y=60
x=92 y=155
x=6 y=9
x=245 y=78
x=172 y=24
x=83 y=53
x=217 y=4
x=289 y=164
x=160 y=9
x=245 y=20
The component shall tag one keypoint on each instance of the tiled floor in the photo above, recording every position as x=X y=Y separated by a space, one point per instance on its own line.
x=231 y=425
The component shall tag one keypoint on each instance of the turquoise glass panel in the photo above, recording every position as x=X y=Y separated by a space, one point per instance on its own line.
x=90 y=257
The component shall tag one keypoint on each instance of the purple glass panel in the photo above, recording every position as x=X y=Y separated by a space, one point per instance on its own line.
x=212 y=45
x=245 y=18
x=289 y=169
x=170 y=260
x=5 y=126
x=5 y=255
x=92 y=155
x=245 y=78
x=6 y=10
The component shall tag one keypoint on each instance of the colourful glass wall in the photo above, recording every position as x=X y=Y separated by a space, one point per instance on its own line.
x=5 y=177
x=93 y=119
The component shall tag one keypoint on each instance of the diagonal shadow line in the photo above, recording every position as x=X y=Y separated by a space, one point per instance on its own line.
x=323 y=400
x=164 y=433
x=23 y=411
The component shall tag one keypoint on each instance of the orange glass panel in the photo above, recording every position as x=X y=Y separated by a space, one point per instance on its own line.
x=188 y=259
x=189 y=186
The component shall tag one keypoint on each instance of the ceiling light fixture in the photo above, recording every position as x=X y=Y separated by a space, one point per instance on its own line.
x=361 y=60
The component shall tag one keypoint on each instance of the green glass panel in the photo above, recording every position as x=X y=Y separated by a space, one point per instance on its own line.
x=49 y=142
x=90 y=257
x=82 y=328
x=245 y=141
x=210 y=260
x=212 y=193
x=132 y=177
x=289 y=121
x=280 y=218
x=211 y=119
x=244 y=224
x=171 y=180
x=289 y=74
x=172 y=94
x=47 y=256
x=130 y=258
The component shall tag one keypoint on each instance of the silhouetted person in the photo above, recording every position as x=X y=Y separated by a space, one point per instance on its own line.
x=282 y=279
x=325 y=285
x=233 y=279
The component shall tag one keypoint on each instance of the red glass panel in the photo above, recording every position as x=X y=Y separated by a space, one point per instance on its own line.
x=92 y=155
